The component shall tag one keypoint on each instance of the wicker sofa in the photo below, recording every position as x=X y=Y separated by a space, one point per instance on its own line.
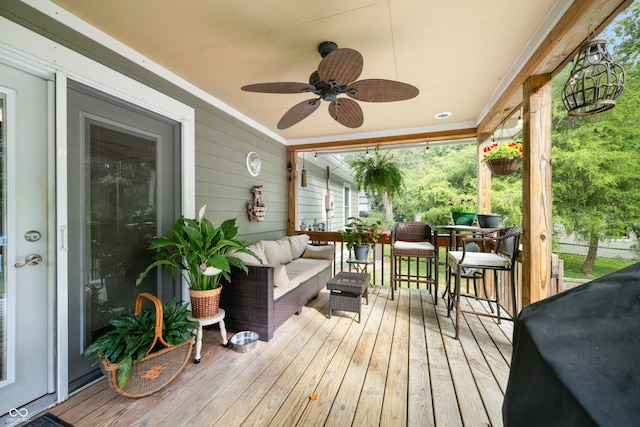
x=292 y=273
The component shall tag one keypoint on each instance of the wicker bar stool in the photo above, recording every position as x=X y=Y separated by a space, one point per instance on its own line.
x=415 y=240
x=502 y=257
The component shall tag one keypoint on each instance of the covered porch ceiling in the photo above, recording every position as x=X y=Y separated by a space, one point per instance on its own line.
x=466 y=58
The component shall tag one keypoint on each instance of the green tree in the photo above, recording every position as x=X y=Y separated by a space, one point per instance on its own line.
x=626 y=43
x=596 y=186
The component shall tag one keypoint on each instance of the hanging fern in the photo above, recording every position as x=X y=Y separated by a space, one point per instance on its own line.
x=378 y=174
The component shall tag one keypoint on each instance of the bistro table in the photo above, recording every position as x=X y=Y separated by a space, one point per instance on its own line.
x=575 y=357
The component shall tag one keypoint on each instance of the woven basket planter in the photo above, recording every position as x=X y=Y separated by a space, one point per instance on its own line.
x=503 y=167
x=157 y=368
x=205 y=303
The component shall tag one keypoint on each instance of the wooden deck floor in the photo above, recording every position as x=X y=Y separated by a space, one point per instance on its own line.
x=399 y=366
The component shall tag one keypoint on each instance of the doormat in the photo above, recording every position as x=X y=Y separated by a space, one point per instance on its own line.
x=48 y=420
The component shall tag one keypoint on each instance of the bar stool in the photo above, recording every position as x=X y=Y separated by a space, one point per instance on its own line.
x=502 y=257
x=415 y=240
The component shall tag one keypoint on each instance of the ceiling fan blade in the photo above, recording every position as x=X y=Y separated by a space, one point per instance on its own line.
x=342 y=65
x=298 y=112
x=381 y=90
x=346 y=112
x=281 y=87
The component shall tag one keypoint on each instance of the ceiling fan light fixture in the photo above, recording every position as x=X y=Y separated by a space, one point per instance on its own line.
x=337 y=75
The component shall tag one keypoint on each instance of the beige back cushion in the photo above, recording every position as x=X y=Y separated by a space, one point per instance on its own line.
x=298 y=244
x=258 y=249
x=277 y=251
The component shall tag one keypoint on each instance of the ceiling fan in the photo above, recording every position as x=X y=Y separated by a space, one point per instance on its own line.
x=335 y=76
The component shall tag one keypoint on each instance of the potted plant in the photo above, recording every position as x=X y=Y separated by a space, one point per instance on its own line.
x=489 y=220
x=201 y=253
x=379 y=174
x=463 y=210
x=503 y=159
x=360 y=236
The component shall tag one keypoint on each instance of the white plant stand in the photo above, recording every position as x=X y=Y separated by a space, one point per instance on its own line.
x=218 y=318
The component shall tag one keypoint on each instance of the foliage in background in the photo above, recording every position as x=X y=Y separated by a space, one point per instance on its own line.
x=450 y=172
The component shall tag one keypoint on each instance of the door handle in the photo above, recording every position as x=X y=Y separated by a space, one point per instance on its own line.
x=32 y=259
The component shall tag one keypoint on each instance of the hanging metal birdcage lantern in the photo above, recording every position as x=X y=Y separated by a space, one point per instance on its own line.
x=595 y=81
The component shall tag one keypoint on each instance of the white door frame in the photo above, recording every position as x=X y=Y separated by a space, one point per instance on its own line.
x=19 y=45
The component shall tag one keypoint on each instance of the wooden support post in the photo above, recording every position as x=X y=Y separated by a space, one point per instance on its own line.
x=292 y=200
x=484 y=176
x=536 y=189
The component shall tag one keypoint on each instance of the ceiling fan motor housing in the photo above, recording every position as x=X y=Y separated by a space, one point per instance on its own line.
x=325 y=48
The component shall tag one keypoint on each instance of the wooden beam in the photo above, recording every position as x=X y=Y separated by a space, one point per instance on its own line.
x=536 y=189
x=395 y=140
x=292 y=200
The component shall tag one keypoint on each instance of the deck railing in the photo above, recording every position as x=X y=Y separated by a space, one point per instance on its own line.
x=380 y=270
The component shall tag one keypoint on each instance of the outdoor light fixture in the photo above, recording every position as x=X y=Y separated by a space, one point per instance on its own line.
x=595 y=81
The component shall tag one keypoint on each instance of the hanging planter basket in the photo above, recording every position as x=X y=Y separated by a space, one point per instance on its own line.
x=503 y=167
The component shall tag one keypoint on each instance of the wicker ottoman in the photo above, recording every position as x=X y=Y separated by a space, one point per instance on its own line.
x=347 y=290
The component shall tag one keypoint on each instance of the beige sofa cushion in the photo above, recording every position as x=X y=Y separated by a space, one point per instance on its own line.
x=258 y=249
x=277 y=251
x=280 y=278
x=319 y=252
x=298 y=244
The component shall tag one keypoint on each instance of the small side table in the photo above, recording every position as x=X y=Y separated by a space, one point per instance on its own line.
x=347 y=290
x=361 y=265
x=218 y=318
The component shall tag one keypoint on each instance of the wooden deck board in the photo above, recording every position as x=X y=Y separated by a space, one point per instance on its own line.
x=370 y=403
x=445 y=403
x=420 y=410
x=399 y=366
x=394 y=405
x=346 y=401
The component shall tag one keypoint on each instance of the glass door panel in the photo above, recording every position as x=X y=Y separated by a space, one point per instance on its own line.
x=123 y=189
x=121 y=201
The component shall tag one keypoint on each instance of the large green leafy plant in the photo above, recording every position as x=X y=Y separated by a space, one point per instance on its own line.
x=199 y=251
x=132 y=336
x=378 y=174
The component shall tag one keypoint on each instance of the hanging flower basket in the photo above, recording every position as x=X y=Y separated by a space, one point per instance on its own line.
x=503 y=167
